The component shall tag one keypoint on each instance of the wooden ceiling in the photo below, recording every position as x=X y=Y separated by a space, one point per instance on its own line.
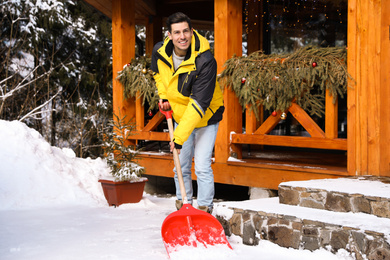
x=201 y=10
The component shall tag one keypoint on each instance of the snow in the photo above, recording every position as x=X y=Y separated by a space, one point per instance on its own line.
x=346 y=185
x=52 y=207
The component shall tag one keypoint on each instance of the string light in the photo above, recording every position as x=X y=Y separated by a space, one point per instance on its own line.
x=310 y=18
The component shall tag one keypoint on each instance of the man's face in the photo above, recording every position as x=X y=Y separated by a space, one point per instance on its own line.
x=181 y=37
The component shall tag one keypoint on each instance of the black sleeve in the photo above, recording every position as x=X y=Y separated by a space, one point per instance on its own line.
x=204 y=85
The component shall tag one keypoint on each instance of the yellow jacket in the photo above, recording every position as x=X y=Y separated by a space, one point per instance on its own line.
x=192 y=90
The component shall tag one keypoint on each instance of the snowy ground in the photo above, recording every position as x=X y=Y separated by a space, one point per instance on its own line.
x=52 y=207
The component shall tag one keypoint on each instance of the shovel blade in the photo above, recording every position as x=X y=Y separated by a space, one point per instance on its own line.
x=191 y=227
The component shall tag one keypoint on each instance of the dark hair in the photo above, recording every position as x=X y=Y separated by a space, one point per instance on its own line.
x=178 y=18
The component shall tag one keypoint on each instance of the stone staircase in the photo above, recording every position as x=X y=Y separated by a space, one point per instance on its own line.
x=347 y=213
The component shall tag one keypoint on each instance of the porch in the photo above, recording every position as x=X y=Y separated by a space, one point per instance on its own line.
x=248 y=152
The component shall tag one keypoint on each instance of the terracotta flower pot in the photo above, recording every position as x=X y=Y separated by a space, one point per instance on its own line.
x=117 y=193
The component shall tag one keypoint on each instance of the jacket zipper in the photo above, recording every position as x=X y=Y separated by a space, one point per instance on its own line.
x=185 y=81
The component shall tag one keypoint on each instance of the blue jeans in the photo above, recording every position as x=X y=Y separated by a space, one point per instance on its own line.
x=199 y=146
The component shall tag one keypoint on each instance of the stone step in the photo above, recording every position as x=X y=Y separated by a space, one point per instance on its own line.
x=365 y=236
x=367 y=194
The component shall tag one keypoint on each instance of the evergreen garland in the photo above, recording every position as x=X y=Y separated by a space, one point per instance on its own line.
x=137 y=79
x=274 y=81
x=277 y=80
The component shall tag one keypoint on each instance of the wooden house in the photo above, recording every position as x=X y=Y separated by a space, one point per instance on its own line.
x=323 y=153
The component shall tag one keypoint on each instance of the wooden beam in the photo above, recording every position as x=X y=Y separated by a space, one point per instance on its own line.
x=154 y=122
x=242 y=173
x=352 y=89
x=384 y=164
x=368 y=113
x=291 y=141
x=269 y=124
x=320 y=169
x=331 y=116
x=228 y=41
x=146 y=7
x=123 y=50
x=251 y=123
x=306 y=121
x=104 y=6
x=150 y=136
x=139 y=113
x=266 y=176
x=154 y=32
x=143 y=8
x=372 y=85
x=361 y=91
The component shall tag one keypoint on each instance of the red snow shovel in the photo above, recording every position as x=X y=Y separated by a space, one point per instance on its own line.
x=189 y=226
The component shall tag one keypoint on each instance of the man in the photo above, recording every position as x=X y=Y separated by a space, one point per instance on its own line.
x=185 y=73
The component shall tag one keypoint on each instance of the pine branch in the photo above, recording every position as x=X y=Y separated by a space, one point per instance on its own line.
x=137 y=81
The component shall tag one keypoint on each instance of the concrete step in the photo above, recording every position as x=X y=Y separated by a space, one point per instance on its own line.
x=367 y=194
x=365 y=236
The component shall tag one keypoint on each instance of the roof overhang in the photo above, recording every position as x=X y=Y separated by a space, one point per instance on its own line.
x=201 y=12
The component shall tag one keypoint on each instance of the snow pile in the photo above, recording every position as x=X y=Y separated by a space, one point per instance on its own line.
x=35 y=174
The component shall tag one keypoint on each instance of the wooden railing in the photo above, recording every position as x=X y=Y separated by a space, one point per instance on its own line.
x=318 y=138
x=257 y=133
x=147 y=132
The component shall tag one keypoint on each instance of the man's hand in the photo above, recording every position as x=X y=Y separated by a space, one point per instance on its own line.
x=175 y=145
x=164 y=105
x=172 y=145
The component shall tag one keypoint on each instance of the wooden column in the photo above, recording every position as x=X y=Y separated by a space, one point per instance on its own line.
x=384 y=161
x=228 y=41
x=123 y=50
x=154 y=32
x=153 y=35
x=368 y=99
x=331 y=116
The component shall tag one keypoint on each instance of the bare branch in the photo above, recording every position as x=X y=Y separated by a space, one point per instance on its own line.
x=39 y=107
x=20 y=86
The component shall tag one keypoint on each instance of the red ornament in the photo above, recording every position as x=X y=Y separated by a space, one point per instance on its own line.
x=150 y=113
x=243 y=80
x=314 y=64
x=274 y=113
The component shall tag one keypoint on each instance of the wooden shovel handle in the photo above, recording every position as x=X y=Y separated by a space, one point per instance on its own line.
x=176 y=160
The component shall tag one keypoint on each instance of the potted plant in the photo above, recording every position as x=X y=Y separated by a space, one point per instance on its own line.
x=126 y=184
